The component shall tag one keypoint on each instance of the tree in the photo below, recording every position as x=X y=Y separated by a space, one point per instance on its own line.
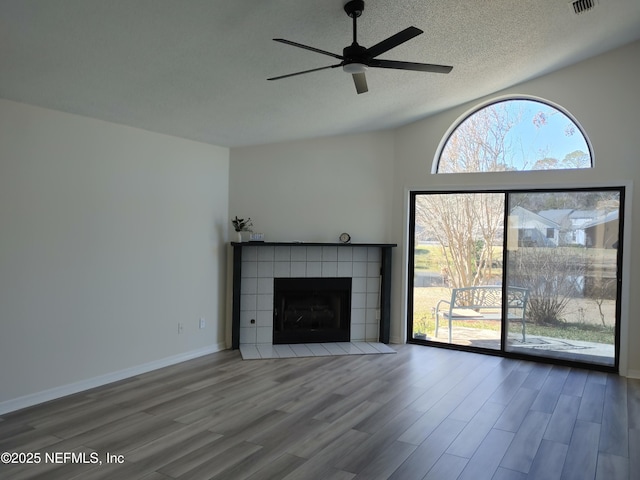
x=576 y=159
x=480 y=143
x=465 y=225
x=589 y=200
x=546 y=163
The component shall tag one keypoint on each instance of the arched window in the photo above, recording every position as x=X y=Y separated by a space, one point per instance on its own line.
x=514 y=134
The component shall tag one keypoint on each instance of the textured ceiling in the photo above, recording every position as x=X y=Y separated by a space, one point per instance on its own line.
x=198 y=68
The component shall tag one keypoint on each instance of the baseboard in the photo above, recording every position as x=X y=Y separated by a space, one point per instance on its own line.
x=64 y=390
x=633 y=374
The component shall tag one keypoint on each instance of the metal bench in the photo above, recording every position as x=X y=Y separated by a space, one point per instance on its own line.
x=483 y=303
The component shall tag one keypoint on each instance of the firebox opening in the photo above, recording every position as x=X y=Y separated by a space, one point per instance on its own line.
x=311 y=310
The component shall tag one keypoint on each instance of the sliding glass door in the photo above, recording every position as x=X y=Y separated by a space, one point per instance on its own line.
x=523 y=273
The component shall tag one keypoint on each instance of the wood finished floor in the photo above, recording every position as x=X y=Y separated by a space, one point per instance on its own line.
x=424 y=413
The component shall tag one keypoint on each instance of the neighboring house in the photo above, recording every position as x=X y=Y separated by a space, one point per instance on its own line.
x=562 y=217
x=602 y=232
x=579 y=218
x=578 y=227
x=534 y=230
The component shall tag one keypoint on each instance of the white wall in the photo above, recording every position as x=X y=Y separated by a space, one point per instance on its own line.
x=110 y=236
x=314 y=190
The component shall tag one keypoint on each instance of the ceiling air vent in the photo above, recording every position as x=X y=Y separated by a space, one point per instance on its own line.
x=581 y=6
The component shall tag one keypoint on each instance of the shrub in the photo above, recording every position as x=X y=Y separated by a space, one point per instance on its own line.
x=552 y=275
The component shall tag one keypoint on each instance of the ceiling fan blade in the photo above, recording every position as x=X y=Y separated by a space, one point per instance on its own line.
x=306 y=71
x=306 y=47
x=393 y=41
x=419 y=67
x=361 y=82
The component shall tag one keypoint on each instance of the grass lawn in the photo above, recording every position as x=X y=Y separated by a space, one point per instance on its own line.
x=431 y=258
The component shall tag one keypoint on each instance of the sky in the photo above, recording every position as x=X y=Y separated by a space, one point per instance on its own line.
x=542 y=133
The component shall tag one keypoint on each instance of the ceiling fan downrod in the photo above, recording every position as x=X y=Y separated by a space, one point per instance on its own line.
x=354 y=9
x=354 y=55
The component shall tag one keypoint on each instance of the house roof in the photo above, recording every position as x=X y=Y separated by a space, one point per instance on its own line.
x=609 y=217
x=198 y=69
x=579 y=214
x=557 y=215
x=525 y=217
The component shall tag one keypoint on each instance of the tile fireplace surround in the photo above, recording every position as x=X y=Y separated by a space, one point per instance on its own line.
x=256 y=264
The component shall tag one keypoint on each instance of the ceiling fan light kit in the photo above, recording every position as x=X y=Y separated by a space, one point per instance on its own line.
x=356 y=59
x=354 y=68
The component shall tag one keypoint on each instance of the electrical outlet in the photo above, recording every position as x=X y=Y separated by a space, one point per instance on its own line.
x=202 y=323
x=180 y=328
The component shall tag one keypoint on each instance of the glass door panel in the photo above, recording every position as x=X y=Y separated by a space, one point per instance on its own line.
x=562 y=247
x=457 y=256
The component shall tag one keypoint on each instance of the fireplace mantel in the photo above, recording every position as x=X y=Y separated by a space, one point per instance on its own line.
x=312 y=244
x=384 y=306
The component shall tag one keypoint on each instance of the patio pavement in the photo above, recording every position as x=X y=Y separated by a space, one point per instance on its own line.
x=599 y=353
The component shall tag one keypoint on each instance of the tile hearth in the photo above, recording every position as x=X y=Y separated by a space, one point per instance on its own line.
x=256 y=352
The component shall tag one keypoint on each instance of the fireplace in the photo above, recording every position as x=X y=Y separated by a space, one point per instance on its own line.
x=256 y=266
x=311 y=310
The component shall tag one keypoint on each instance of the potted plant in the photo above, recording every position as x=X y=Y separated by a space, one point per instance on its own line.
x=241 y=225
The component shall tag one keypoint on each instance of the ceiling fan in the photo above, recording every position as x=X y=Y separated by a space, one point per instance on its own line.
x=356 y=59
